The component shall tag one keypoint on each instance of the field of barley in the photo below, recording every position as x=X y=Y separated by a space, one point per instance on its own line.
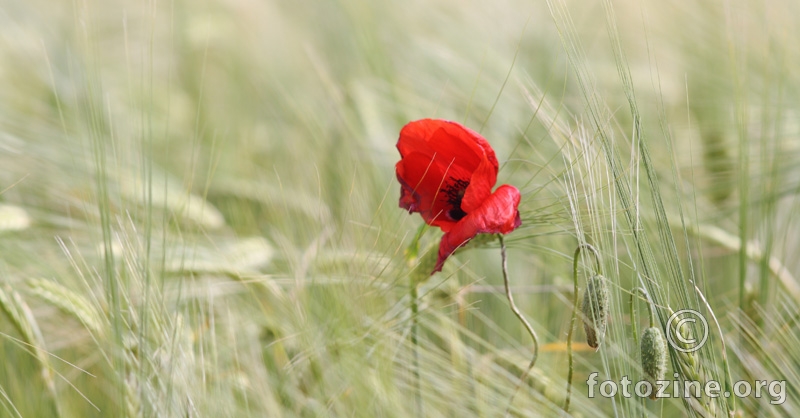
x=199 y=208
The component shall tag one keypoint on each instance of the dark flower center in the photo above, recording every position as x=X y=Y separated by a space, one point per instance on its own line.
x=454 y=192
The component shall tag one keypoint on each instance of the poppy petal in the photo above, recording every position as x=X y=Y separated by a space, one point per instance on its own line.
x=446 y=173
x=446 y=170
x=480 y=186
x=499 y=213
x=423 y=179
x=448 y=139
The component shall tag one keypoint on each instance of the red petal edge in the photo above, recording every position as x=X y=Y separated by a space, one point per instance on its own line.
x=433 y=153
x=499 y=213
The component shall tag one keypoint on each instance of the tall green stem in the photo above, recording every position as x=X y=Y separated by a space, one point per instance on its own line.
x=599 y=270
x=415 y=347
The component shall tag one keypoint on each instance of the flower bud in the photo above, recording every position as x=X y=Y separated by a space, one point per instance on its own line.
x=595 y=310
x=654 y=356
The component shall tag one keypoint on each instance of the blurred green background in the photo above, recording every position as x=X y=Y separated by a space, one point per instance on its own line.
x=198 y=205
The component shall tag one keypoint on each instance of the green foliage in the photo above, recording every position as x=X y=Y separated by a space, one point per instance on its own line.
x=198 y=205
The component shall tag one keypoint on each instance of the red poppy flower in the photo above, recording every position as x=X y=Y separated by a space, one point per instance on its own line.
x=446 y=173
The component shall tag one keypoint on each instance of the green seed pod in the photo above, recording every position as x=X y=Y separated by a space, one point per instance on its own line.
x=654 y=356
x=595 y=310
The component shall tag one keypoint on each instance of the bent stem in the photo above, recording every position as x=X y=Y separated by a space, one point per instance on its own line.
x=521 y=319
x=651 y=310
x=575 y=312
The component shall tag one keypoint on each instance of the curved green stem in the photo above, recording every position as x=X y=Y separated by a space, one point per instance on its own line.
x=599 y=269
x=651 y=310
x=522 y=319
x=597 y=264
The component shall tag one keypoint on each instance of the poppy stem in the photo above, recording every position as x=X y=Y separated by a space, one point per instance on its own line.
x=412 y=258
x=599 y=269
x=415 y=348
x=521 y=319
x=650 y=307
